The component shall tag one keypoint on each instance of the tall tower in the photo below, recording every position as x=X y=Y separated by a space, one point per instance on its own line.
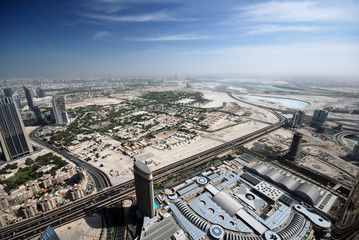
x=13 y=137
x=301 y=118
x=295 y=147
x=58 y=106
x=15 y=97
x=144 y=188
x=7 y=92
x=28 y=95
x=320 y=116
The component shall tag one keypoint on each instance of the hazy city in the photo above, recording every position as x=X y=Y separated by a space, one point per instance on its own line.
x=181 y=120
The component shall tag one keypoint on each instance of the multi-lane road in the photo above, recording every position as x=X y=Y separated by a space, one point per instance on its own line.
x=78 y=209
x=339 y=138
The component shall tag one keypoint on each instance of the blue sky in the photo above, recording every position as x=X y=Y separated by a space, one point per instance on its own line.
x=159 y=37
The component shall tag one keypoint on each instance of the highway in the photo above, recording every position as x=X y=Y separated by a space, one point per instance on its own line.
x=110 y=195
x=339 y=139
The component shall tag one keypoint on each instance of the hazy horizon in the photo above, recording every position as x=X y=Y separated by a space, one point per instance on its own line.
x=159 y=37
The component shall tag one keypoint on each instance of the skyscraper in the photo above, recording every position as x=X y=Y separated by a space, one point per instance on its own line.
x=295 y=147
x=58 y=106
x=13 y=137
x=40 y=93
x=15 y=97
x=28 y=95
x=320 y=116
x=7 y=92
x=144 y=188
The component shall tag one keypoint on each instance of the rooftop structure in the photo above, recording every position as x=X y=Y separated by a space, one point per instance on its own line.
x=235 y=204
x=307 y=192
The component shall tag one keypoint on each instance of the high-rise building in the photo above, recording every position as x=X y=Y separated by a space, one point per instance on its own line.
x=355 y=153
x=38 y=115
x=7 y=92
x=319 y=116
x=58 y=107
x=144 y=188
x=294 y=122
x=295 y=147
x=28 y=95
x=13 y=137
x=15 y=97
x=301 y=115
x=40 y=93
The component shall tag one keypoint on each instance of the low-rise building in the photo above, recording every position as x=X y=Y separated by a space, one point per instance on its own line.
x=76 y=192
x=46 y=180
x=30 y=209
x=33 y=186
x=19 y=195
x=70 y=169
x=47 y=202
x=3 y=221
x=4 y=201
x=61 y=176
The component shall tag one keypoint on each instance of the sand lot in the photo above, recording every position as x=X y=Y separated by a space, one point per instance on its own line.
x=82 y=229
x=95 y=101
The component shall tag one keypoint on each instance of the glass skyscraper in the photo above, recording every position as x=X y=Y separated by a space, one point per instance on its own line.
x=13 y=137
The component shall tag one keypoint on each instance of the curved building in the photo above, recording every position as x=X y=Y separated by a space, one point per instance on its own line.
x=144 y=188
x=307 y=192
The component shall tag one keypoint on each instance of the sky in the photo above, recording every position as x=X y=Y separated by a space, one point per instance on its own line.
x=157 y=37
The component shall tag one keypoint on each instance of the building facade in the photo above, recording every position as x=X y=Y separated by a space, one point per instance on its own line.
x=13 y=137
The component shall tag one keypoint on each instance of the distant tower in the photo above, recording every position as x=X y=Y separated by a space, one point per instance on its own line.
x=175 y=76
x=40 y=93
x=28 y=95
x=15 y=97
x=7 y=92
x=295 y=120
x=38 y=115
x=301 y=115
x=144 y=188
x=295 y=147
x=319 y=116
x=58 y=107
x=355 y=153
x=13 y=138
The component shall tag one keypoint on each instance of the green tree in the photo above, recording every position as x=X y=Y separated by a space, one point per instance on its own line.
x=29 y=161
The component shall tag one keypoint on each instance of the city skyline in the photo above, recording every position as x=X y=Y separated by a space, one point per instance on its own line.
x=100 y=37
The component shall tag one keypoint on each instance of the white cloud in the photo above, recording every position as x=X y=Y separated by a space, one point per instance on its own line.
x=298 y=11
x=159 y=16
x=100 y=34
x=173 y=38
x=271 y=28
